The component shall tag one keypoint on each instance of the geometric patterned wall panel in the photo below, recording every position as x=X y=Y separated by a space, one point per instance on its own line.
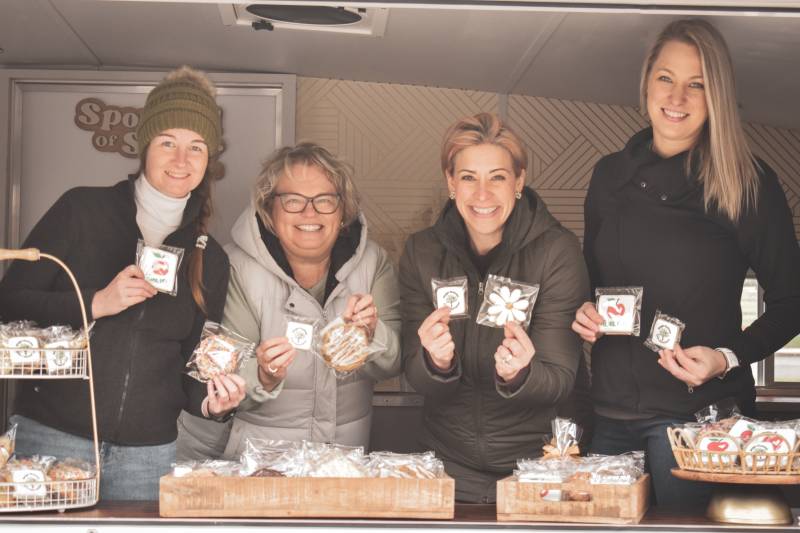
x=565 y=139
x=780 y=148
x=391 y=134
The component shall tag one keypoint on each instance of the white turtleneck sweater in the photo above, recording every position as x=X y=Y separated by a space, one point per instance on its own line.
x=157 y=214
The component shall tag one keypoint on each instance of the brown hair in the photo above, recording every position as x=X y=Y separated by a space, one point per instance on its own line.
x=483 y=128
x=280 y=163
x=727 y=167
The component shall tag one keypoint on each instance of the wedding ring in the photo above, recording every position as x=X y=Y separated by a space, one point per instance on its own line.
x=506 y=360
x=272 y=370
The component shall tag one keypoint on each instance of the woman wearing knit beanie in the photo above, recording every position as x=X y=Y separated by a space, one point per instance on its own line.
x=142 y=338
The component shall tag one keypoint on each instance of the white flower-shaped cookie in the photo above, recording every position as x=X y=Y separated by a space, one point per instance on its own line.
x=507 y=306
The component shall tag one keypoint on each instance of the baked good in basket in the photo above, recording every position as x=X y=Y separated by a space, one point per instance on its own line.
x=63 y=474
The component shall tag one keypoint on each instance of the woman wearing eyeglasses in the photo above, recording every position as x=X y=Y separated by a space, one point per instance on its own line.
x=301 y=249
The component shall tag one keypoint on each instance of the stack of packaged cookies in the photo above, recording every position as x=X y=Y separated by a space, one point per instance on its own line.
x=42 y=481
x=304 y=459
x=27 y=350
x=738 y=445
x=561 y=464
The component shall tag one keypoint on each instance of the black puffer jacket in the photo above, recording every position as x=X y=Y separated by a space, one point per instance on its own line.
x=470 y=418
x=646 y=225
x=139 y=355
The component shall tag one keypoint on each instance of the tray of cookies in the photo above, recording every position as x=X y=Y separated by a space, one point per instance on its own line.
x=738 y=445
x=307 y=479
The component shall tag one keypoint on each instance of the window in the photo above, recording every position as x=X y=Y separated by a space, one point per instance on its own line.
x=783 y=368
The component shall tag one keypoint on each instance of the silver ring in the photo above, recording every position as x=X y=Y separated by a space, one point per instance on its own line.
x=506 y=359
x=272 y=370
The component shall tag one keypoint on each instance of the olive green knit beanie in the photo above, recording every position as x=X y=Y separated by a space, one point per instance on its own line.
x=183 y=99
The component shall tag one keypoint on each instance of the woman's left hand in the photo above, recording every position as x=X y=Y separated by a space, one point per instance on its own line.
x=225 y=392
x=515 y=353
x=361 y=310
x=694 y=366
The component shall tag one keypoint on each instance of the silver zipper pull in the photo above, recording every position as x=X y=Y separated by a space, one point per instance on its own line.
x=480 y=288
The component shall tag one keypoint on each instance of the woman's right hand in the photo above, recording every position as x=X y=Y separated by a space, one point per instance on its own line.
x=587 y=322
x=274 y=357
x=128 y=288
x=434 y=334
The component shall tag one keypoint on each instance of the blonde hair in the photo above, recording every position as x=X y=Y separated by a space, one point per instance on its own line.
x=726 y=166
x=483 y=128
x=311 y=154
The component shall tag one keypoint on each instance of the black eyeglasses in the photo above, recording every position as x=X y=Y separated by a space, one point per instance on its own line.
x=324 y=204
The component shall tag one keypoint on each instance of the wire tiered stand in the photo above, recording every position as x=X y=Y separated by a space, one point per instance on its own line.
x=745 y=490
x=22 y=362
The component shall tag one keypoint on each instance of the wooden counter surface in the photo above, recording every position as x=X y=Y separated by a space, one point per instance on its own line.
x=137 y=516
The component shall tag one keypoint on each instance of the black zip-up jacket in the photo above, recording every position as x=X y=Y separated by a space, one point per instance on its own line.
x=138 y=355
x=470 y=418
x=646 y=225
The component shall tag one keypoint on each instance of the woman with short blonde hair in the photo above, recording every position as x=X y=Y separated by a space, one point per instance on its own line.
x=490 y=393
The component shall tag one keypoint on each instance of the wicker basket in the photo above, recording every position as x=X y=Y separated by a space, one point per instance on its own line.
x=731 y=462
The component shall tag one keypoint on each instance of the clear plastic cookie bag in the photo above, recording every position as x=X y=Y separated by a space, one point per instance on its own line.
x=506 y=300
x=452 y=293
x=621 y=309
x=160 y=265
x=220 y=351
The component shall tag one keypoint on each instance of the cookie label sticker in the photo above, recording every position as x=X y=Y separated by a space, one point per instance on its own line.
x=160 y=268
x=617 y=311
x=22 y=356
x=452 y=297
x=56 y=357
x=300 y=335
x=664 y=334
x=29 y=483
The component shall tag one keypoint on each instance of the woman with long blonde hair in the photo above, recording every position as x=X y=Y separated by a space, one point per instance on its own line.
x=684 y=210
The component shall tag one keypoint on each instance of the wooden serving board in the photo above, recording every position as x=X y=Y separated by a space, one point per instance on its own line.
x=307 y=497
x=608 y=504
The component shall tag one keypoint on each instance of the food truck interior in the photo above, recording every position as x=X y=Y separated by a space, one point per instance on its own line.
x=377 y=83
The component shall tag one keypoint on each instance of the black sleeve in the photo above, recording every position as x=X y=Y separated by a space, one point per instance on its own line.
x=38 y=290
x=216 y=275
x=417 y=305
x=768 y=239
x=591 y=224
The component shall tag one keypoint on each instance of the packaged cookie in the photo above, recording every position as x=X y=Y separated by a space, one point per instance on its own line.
x=346 y=346
x=717 y=448
x=62 y=345
x=23 y=343
x=407 y=466
x=621 y=309
x=301 y=331
x=29 y=476
x=505 y=300
x=63 y=475
x=665 y=332
x=220 y=351
x=207 y=468
x=160 y=265
x=770 y=448
x=451 y=293
x=7 y=444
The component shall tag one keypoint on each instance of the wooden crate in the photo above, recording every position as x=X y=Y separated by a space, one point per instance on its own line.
x=307 y=497
x=609 y=504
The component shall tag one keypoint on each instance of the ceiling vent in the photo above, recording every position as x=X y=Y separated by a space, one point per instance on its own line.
x=347 y=20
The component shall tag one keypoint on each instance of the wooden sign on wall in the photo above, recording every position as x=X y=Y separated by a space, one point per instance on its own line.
x=113 y=128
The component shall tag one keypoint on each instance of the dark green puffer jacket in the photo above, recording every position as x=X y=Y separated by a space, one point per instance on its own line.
x=472 y=420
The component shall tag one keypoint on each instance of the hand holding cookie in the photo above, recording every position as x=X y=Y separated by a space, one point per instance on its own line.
x=515 y=352
x=361 y=310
